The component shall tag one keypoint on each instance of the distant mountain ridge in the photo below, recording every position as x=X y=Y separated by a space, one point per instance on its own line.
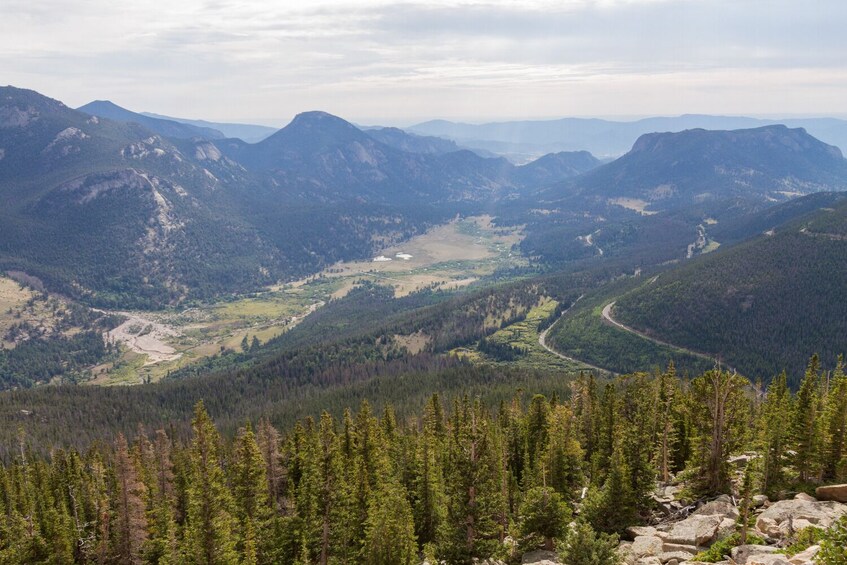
x=251 y=133
x=167 y=128
x=605 y=138
x=413 y=143
x=670 y=170
x=327 y=156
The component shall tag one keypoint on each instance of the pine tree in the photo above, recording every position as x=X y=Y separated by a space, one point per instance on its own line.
x=209 y=527
x=269 y=440
x=805 y=424
x=583 y=546
x=324 y=501
x=636 y=435
x=250 y=487
x=130 y=524
x=584 y=407
x=390 y=528
x=536 y=430
x=472 y=485
x=514 y=440
x=562 y=456
x=835 y=426
x=544 y=516
x=666 y=396
x=613 y=507
x=774 y=434
x=429 y=500
x=718 y=406
x=606 y=428
x=368 y=467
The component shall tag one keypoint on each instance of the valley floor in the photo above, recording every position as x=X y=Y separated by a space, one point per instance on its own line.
x=154 y=343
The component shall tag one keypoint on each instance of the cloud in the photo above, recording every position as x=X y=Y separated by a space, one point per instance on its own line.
x=235 y=59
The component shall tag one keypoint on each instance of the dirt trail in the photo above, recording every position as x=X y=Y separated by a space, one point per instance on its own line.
x=542 y=341
x=607 y=315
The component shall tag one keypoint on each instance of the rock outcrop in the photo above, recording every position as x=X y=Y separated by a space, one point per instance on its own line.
x=786 y=517
x=742 y=554
x=540 y=557
x=678 y=542
x=837 y=493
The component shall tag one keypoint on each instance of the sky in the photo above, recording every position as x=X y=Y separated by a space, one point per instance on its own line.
x=397 y=63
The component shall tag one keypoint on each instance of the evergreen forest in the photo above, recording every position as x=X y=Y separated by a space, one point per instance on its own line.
x=454 y=480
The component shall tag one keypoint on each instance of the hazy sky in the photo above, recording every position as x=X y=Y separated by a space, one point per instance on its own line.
x=398 y=62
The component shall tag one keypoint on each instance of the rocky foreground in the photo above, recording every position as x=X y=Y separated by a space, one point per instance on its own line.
x=677 y=542
x=689 y=530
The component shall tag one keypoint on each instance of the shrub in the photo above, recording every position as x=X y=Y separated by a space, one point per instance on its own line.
x=584 y=546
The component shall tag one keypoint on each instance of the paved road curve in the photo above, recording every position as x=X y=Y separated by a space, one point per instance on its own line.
x=607 y=315
x=542 y=341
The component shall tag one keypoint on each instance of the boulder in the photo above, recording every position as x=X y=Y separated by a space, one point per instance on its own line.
x=540 y=557
x=838 y=493
x=695 y=530
x=768 y=559
x=652 y=560
x=786 y=517
x=741 y=553
x=677 y=556
x=676 y=547
x=722 y=505
x=806 y=556
x=635 y=531
x=644 y=546
x=726 y=528
x=759 y=500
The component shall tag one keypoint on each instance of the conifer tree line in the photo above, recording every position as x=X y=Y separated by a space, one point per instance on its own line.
x=458 y=481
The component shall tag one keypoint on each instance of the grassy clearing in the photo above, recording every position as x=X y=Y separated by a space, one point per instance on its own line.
x=13 y=298
x=524 y=335
x=448 y=256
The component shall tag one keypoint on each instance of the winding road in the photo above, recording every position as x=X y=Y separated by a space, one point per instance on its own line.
x=542 y=341
x=607 y=315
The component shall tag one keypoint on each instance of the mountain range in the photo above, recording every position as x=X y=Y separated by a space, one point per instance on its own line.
x=251 y=133
x=113 y=212
x=125 y=213
x=522 y=140
x=116 y=213
x=163 y=126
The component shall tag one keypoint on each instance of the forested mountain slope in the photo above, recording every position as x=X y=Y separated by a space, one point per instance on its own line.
x=672 y=191
x=113 y=214
x=762 y=305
